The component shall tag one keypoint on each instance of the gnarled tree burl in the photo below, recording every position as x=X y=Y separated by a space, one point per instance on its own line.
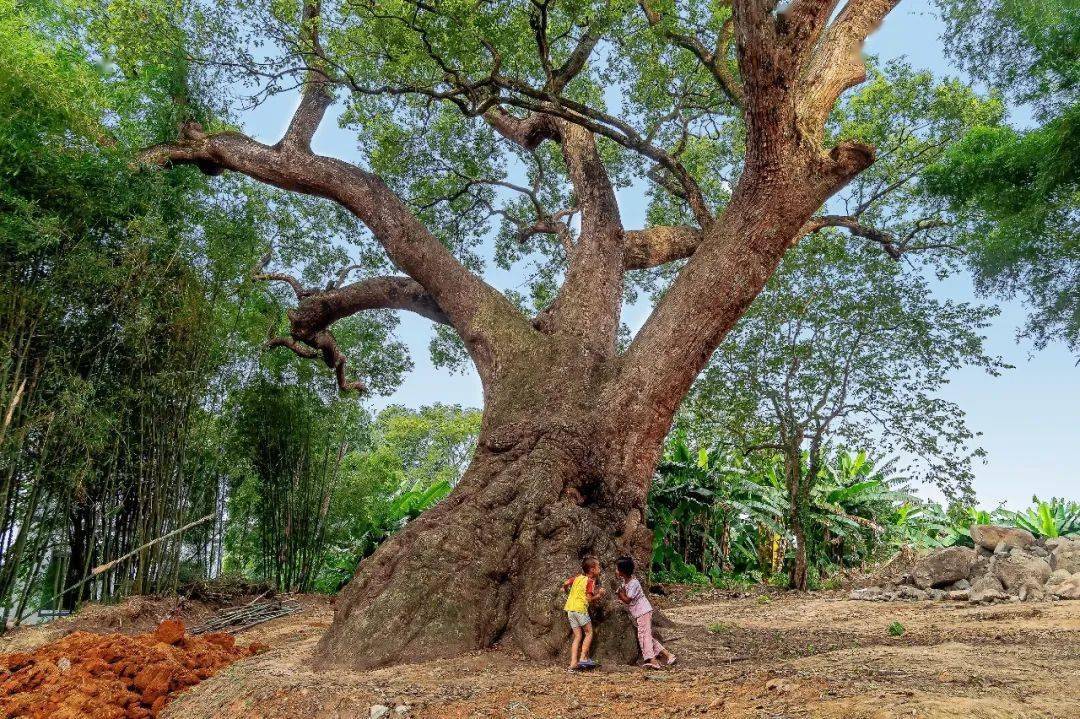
x=572 y=426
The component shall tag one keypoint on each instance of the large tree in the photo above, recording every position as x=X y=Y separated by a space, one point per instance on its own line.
x=450 y=99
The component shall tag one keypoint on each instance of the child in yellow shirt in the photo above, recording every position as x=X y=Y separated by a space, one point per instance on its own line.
x=582 y=591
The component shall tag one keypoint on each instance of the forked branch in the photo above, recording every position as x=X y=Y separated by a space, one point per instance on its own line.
x=310 y=336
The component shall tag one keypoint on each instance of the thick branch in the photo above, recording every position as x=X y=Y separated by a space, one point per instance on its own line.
x=587 y=305
x=460 y=295
x=528 y=132
x=600 y=123
x=310 y=321
x=655 y=246
x=802 y=23
x=836 y=64
x=315 y=97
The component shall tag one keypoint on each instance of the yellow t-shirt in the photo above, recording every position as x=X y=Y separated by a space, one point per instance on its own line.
x=580 y=590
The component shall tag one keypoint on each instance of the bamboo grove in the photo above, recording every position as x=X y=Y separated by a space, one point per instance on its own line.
x=135 y=398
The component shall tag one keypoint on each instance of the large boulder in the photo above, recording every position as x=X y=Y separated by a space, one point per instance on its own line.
x=1066 y=555
x=1031 y=591
x=911 y=593
x=1057 y=577
x=944 y=567
x=988 y=536
x=1017 y=569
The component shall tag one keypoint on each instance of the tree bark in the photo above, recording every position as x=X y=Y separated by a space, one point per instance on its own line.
x=798 y=493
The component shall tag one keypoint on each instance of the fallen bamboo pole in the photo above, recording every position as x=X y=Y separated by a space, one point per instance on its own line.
x=102 y=568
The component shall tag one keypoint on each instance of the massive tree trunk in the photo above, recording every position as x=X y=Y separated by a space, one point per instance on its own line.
x=488 y=562
x=554 y=479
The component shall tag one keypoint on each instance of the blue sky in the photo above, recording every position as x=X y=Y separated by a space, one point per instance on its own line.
x=1029 y=417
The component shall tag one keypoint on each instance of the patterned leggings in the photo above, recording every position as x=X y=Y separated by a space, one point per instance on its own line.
x=650 y=648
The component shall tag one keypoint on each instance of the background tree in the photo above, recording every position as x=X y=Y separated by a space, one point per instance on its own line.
x=1016 y=190
x=428 y=445
x=844 y=346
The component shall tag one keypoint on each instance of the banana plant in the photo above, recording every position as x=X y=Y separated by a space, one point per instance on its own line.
x=704 y=506
x=1056 y=518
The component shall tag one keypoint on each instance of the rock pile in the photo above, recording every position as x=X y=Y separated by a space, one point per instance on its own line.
x=112 y=676
x=1007 y=564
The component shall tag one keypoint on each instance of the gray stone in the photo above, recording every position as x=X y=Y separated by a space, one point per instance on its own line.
x=378 y=711
x=1053 y=543
x=986 y=588
x=980 y=568
x=911 y=593
x=989 y=535
x=961 y=584
x=401 y=710
x=988 y=597
x=866 y=595
x=1017 y=569
x=1057 y=577
x=937 y=594
x=1002 y=548
x=1038 y=551
x=958 y=595
x=944 y=567
x=1066 y=555
x=1069 y=589
x=1031 y=592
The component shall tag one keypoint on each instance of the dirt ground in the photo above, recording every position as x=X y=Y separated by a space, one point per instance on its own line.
x=777 y=657
x=784 y=656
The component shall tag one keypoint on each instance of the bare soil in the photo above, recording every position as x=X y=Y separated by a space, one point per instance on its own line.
x=782 y=656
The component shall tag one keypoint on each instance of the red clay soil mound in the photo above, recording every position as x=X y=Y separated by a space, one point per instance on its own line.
x=112 y=676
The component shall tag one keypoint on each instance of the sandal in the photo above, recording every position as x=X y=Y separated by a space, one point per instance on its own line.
x=652 y=665
x=671 y=660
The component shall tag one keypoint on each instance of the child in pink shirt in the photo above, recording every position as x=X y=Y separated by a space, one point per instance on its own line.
x=633 y=596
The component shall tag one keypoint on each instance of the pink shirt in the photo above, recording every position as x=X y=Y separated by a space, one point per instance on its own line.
x=639 y=604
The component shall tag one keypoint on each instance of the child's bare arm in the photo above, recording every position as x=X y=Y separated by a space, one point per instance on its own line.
x=622 y=595
x=566 y=585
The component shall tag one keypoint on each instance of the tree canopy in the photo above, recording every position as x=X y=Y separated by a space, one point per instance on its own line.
x=1016 y=190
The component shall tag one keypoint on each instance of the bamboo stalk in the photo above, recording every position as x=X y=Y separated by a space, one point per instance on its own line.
x=101 y=569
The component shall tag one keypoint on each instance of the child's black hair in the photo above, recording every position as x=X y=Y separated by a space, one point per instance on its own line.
x=587 y=562
x=625 y=565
